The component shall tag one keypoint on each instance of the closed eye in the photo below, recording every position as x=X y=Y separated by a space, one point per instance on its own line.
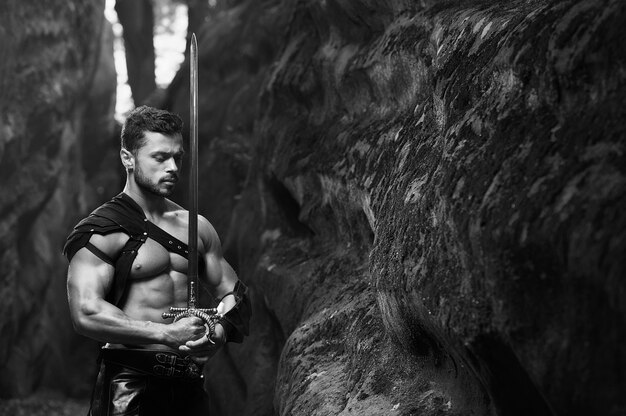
x=163 y=156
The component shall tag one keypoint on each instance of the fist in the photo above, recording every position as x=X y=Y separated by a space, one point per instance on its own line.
x=202 y=349
x=186 y=329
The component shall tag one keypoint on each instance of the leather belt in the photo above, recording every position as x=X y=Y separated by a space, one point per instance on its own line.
x=154 y=362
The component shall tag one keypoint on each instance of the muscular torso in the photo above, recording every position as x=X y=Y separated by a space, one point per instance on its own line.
x=158 y=278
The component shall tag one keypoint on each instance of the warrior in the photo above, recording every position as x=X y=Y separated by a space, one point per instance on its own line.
x=129 y=262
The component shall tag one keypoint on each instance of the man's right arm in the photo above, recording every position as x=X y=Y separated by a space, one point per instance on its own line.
x=90 y=278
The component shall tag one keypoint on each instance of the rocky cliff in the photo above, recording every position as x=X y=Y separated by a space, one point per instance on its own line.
x=432 y=222
x=56 y=109
x=425 y=198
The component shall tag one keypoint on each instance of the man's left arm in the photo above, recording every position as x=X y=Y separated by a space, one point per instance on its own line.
x=224 y=285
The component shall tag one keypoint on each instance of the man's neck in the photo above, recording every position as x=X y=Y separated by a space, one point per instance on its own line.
x=153 y=205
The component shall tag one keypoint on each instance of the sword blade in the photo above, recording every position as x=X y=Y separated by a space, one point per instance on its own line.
x=193 y=175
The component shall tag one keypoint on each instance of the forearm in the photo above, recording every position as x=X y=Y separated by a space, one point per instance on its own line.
x=236 y=316
x=234 y=305
x=99 y=320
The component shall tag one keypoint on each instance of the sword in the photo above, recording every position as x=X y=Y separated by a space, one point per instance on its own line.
x=210 y=316
x=193 y=174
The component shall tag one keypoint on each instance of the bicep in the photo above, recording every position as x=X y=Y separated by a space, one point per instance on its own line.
x=89 y=277
x=219 y=273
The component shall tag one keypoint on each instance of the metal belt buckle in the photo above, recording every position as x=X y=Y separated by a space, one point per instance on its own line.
x=166 y=358
x=163 y=371
x=176 y=366
x=169 y=368
x=191 y=369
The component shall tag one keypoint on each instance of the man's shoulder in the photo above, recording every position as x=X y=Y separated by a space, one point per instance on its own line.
x=111 y=244
x=119 y=216
x=121 y=211
x=207 y=233
x=180 y=217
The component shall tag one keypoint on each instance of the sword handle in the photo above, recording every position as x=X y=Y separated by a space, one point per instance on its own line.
x=208 y=315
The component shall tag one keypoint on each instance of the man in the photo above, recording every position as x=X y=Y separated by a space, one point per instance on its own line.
x=128 y=265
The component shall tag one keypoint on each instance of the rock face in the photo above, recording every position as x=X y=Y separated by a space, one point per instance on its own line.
x=425 y=198
x=50 y=74
x=432 y=222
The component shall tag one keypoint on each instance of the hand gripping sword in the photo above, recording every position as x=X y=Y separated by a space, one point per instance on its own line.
x=209 y=316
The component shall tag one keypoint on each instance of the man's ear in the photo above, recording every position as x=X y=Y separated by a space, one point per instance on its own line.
x=128 y=160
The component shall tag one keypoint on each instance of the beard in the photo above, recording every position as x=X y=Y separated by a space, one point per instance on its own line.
x=147 y=185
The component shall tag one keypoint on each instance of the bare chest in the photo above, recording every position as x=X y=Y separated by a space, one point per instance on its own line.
x=163 y=252
x=153 y=259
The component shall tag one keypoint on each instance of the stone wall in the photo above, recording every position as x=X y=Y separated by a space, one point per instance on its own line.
x=432 y=221
x=425 y=199
x=50 y=74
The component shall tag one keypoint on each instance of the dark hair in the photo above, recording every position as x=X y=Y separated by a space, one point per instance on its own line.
x=143 y=119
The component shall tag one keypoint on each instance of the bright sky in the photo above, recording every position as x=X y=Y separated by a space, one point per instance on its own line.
x=169 y=45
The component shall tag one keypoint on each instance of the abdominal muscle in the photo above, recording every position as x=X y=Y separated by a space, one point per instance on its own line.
x=156 y=283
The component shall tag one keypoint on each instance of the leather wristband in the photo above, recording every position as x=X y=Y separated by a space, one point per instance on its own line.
x=235 y=322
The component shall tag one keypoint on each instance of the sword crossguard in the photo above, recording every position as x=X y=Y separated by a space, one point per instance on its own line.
x=209 y=316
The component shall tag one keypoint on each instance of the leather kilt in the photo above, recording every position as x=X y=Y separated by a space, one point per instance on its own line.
x=148 y=383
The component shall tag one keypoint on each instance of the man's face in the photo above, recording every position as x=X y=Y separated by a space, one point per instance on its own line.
x=157 y=163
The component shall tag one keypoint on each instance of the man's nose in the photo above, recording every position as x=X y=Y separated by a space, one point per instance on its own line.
x=172 y=166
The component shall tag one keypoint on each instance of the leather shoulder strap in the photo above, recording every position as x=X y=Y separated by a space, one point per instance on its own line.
x=167 y=240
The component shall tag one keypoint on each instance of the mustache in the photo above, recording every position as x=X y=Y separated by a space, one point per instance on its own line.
x=170 y=178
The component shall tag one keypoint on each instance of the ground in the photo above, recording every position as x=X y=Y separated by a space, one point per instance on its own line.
x=43 y=404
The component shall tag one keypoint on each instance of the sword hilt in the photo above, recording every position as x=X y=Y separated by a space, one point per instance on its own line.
x=208 y=315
